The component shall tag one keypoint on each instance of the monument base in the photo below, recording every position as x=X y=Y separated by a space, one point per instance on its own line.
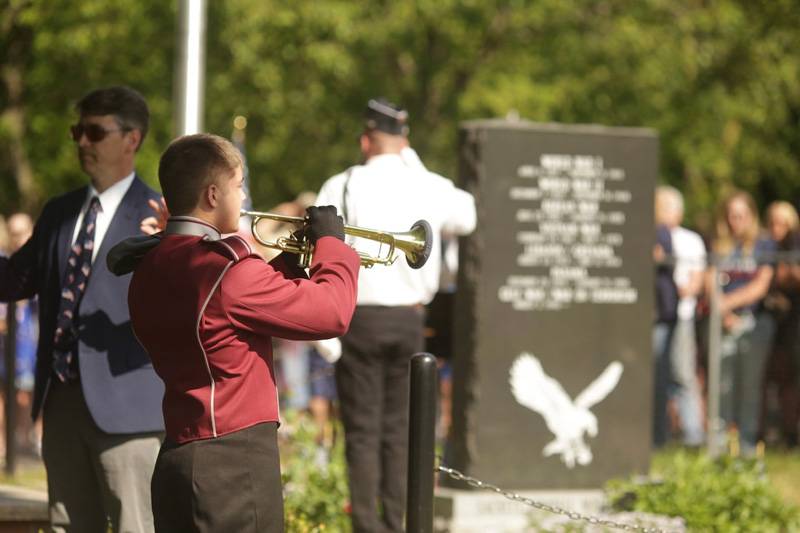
x=466 y=511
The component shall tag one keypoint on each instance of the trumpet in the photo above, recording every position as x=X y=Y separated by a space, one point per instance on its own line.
x=415 y=243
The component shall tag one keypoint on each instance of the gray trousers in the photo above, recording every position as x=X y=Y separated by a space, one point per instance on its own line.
x=686 y=387
x=741 y=377
x=95 y=480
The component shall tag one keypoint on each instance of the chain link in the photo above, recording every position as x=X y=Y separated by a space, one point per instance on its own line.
x=572 y=515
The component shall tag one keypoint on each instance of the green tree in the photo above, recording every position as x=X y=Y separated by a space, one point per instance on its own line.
x=719 y=80
x=58 y=50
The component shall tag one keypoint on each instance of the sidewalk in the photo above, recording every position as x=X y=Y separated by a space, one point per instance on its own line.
x=23 y=498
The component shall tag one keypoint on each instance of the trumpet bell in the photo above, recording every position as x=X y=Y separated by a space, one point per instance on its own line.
x=416 y=243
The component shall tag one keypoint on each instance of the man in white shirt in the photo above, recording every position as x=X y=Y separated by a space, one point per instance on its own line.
x=689 y=254
x=390 y=191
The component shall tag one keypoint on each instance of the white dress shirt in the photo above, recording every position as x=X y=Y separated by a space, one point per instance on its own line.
x=109 y=202
x=388 y=193
x=690 y=257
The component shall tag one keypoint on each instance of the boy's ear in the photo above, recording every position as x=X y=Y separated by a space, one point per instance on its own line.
x=212 y=195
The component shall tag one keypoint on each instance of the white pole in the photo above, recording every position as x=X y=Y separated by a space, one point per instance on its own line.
x=190 y=67
x=715 y=423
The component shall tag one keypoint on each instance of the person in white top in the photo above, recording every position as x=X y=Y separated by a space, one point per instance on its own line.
x=689 y=254
x=390 y=191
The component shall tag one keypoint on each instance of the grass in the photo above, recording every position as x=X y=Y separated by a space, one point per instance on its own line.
x=30 y=474
x=782 y=468
x=727 y=494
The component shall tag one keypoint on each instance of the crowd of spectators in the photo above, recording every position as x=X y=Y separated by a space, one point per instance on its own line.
x=754 y=272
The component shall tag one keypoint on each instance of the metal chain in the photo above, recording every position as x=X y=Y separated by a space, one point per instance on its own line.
x=572 y=515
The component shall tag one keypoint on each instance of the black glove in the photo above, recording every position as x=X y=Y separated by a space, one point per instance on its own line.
x=324 y=222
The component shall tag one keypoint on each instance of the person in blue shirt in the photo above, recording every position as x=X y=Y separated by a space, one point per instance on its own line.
x=745 y=261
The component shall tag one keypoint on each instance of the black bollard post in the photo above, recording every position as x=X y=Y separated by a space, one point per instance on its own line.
x=421 y=443
x=11 y=389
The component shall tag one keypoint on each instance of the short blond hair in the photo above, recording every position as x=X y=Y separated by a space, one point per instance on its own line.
x=784 y=210
x=670 y=198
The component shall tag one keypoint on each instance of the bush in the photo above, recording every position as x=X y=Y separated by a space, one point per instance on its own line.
x=722 y=495
x=315 y=495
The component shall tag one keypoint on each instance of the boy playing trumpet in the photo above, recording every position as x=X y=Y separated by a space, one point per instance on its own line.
x=205 y=308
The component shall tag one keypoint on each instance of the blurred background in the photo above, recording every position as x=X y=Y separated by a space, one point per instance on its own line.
x=718 y=80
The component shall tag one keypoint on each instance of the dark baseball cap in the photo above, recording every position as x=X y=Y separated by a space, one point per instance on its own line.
x=385 y=116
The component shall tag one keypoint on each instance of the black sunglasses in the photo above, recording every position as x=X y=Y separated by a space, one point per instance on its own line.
x=94 y=132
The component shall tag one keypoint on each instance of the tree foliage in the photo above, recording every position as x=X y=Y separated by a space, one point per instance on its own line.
x=718 y=79
x=61 y=50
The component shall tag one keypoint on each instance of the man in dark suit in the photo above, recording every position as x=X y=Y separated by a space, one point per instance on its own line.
x=95 y=386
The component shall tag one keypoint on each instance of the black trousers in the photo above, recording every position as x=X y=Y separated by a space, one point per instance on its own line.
x=372 y=382
x=231 y=483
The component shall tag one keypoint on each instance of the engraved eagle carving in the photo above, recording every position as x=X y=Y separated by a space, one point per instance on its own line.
x=568 y=420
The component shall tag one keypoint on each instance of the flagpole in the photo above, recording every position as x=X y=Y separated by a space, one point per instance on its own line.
x=190 y=67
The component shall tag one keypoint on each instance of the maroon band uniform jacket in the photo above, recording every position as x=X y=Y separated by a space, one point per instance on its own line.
x=206 y=309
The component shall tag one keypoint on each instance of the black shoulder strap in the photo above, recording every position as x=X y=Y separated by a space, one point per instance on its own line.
x=344 y=194
x=125 y=255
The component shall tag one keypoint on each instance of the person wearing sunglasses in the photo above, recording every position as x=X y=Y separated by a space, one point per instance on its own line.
x=95 y=387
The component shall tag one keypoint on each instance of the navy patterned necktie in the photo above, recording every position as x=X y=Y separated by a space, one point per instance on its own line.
x=79 y=267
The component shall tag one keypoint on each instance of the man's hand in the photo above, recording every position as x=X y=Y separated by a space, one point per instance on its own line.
x=154 y=224
x=324 y=222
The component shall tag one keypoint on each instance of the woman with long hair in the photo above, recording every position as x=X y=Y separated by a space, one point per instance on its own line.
x=744 y=260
